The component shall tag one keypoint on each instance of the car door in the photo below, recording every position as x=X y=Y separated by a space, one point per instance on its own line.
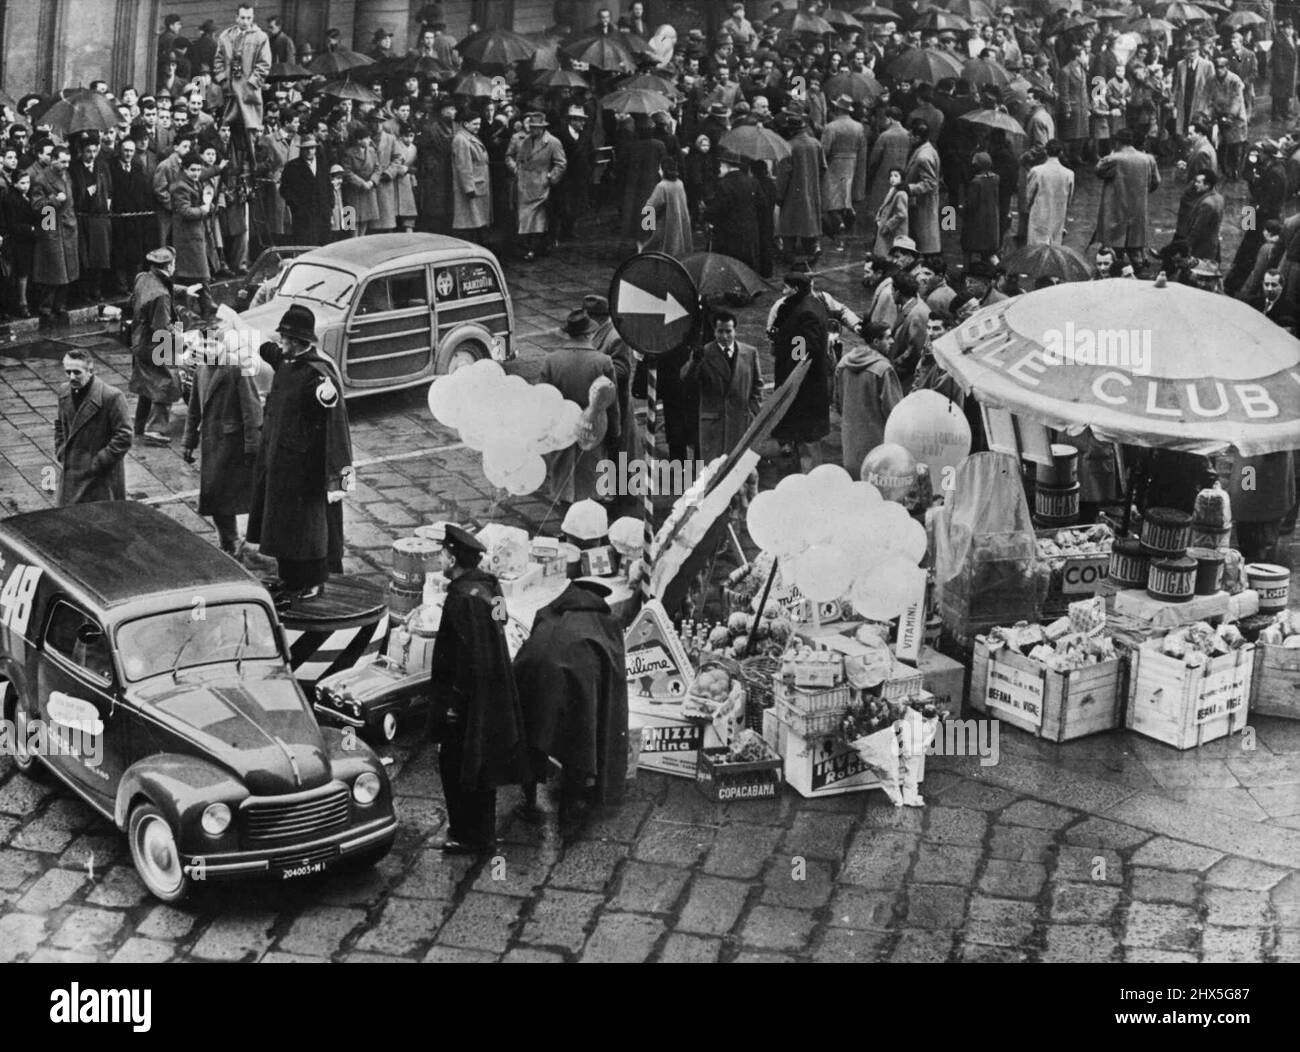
x=77 y=688
x=390 y=334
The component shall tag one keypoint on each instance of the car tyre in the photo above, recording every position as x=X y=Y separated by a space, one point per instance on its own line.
x=16 y=713
x=466 y=354
x=155 y=854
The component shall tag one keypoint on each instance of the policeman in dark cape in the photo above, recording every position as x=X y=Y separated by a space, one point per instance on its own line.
x=475 y=708
x=304 y=464
x=572 y=678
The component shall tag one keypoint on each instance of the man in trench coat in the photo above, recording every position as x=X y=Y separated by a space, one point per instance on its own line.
x=842 y=144
x=91 y=435
x=304 y=464
x=1049 y=190
x=922 y=182
x=155 y=347
x=1192 y=76
x=240 y=66
x=56 y=264
x=225 y=420
x=1128 y=177
x=799 y=190
x=537 y=162
x=305 y=188
x=729 y=381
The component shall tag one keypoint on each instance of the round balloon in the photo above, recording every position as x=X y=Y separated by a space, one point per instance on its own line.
x=445 y=400
x=932 y=428
x=527 y=477
x=891 y=469
x=822 y=573
x=763 y=520
x=884 y=592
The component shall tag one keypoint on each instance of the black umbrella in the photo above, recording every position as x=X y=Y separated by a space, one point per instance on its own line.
x=81 y=110
x=605 y=53
x=289 y=71
x=497 y=47
x=340 y=60
x=559 y=78
x=718 y=275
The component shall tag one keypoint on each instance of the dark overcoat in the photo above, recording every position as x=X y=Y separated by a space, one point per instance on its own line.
x=225 y=422
x=90 y=443
x=801 y=328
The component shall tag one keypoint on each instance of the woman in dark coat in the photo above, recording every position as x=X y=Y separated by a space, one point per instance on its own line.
x=799 y=332
x=981 y=229
x=700 y=177
x=225 y=418
x=18 y=219
x=636 y=168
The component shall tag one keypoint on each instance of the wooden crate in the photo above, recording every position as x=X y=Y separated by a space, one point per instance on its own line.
x=726 y=782
x=821 y=765
x=1187 y=707
x=1275 y=684
x=1057 y=706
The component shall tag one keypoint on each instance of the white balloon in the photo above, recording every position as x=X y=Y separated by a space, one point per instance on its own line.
x=932 y=428
x=821 y=573
x=830 y=477
x=764 y=521
x=528 y=477
x=475 y=435
x=445 y=400
x=913 y=542
x=888 y=588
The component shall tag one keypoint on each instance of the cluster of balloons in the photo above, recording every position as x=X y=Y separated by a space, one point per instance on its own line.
x=842 y=537
x=507 y=419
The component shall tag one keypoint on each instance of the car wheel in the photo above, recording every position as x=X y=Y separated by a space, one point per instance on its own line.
x=16 y=713
x=156 y=857
x=465 y=354
x=371 y=857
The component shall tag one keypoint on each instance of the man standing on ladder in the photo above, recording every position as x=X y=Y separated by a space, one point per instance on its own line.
x=240 y=66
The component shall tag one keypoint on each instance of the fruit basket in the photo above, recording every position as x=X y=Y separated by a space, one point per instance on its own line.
x=718 y=692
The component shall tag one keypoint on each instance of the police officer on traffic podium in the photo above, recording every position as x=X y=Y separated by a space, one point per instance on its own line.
x=475 y=713
x=304 y=464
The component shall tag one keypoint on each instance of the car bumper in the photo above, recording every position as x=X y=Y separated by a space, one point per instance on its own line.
x=334 y=716
x=324 y=852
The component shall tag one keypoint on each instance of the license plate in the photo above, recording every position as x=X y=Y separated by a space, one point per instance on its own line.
x=306 y=869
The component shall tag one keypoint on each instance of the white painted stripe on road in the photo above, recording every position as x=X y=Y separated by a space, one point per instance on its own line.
x=409 y=455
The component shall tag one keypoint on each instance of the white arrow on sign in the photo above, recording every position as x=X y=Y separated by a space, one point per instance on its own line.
x=633 y=300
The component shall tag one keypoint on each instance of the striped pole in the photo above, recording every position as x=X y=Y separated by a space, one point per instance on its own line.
x=648 y=504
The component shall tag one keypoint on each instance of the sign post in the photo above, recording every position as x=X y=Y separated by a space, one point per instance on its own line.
x=654 y=305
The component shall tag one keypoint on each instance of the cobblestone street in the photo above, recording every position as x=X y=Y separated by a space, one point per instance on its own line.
x=1109 y=848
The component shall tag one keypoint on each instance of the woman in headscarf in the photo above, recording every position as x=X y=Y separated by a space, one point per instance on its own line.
x=661 y=46
x=671 y=233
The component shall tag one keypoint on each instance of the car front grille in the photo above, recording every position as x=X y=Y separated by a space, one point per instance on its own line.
x=299 y=820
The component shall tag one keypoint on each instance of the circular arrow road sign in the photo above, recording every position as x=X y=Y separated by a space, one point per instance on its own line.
x=653 y=303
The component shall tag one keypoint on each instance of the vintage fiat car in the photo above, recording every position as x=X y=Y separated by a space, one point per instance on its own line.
x=148 y=672
x=396 y=310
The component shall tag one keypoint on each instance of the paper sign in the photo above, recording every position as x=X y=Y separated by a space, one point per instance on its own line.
x=657 y=664
x=1015 y=690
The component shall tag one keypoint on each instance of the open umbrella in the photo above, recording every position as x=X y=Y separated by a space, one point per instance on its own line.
x=81 y=110
x=289 y=71
x=997 y=118
x=981 y=71
x=876 y=13
x=635 y=44
x=653 y=82
x=1219 y=10
x=1103 y=14
x=755 y=143
x=473 y=86
x=604 y=53
x=860 y=87
x=1155 y=365
x=1048 y=261
x=1148 y=26
x=801 y=22
x=1242 y=20
x=972 y=10
x=425 y=66
x=340 y=60
x=1181 y=13
x=937 y=21
x=841 y=19
x=559 y=78
x=496 y=47
x=719 y=275
x=342 y=88
x=635 y=100
x=924 y=63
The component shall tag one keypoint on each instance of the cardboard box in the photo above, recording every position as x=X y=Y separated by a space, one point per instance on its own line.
x=945 y=679
x=1188 y=706
x=514 y=586
x=670 y=744
x=821 y=765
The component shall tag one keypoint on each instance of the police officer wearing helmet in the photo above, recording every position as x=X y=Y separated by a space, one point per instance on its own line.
x=304 y=464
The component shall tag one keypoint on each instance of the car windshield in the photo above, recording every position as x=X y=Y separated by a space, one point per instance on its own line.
x=311 y=281
x=197 y=635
